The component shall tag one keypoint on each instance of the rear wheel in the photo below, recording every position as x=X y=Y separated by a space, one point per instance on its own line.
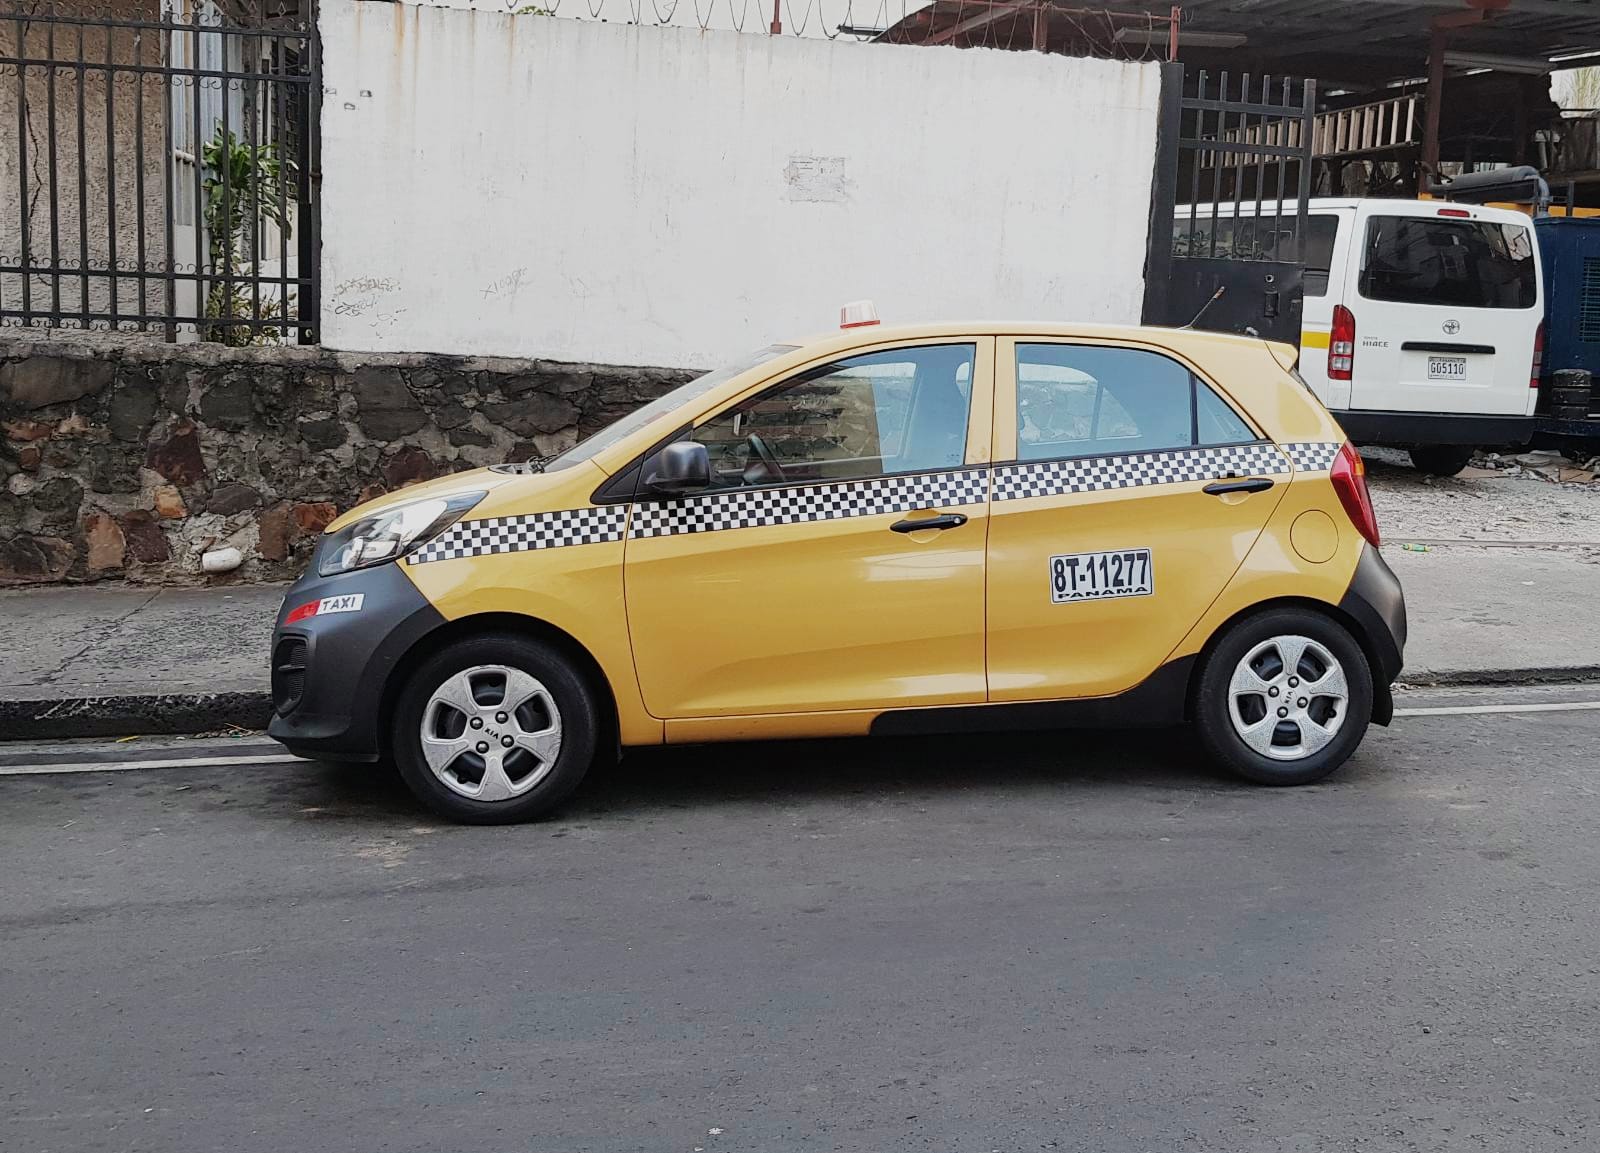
x=1284 y=698
x=492 y=730
x=1440 y=459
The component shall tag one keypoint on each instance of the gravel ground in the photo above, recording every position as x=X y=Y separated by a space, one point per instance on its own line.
x=1414 y=507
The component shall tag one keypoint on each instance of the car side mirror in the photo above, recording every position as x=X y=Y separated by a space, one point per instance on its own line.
x=682 y=467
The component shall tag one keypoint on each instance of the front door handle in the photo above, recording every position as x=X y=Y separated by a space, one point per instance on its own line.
x=947 y=520
x=1250 y=484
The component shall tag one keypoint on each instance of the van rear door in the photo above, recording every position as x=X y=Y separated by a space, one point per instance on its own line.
x=1447 y=309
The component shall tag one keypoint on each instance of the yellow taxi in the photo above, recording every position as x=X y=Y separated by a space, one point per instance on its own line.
x=885 y=530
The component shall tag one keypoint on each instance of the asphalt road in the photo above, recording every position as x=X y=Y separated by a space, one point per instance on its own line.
x=1063 y=943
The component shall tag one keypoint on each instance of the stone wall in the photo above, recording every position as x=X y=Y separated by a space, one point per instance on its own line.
x=129 y=462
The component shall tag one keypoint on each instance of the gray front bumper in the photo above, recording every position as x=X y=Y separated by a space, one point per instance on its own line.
x=351 y=661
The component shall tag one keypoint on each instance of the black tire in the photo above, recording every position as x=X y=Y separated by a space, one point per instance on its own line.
x=1570 y=412
x=574 y=701
x=1440 y=459
x=1210 y=705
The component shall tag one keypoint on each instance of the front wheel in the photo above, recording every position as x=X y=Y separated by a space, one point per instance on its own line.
x=1284 y=698
x=494 y=729
x=1440 y=459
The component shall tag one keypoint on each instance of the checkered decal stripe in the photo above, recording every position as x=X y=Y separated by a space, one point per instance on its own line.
x=769 y=506
x=749 y=508
x=1313 y=456
x=1091 y=474
x=522 y=533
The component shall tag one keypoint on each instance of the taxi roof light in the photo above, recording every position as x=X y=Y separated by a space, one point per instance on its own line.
x=858 y=314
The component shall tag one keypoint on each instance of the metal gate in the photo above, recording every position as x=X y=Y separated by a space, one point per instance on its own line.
x=161 y=168
x=1228 y=221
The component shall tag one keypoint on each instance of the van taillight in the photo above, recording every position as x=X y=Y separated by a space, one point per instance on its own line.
x=1342 y=344
x=1538 y=357
x=1349 y=477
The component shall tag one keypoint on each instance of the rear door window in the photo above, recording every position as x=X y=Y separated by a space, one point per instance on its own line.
x=1457 y=263
x=1077 y=400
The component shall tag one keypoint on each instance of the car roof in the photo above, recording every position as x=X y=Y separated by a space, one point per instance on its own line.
x=891 y=333
x=1397 y=205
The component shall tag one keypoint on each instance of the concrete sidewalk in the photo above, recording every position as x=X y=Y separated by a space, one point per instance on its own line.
x=1482 y=614
x=106 y=660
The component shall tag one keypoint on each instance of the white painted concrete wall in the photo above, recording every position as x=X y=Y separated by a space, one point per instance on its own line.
x=523 y=185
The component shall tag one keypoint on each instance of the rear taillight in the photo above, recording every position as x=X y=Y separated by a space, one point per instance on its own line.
x=1342 y=344
x=1538 y=357
x=1349 y=477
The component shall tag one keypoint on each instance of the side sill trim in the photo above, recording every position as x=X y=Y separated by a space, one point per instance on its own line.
x=1159 y=700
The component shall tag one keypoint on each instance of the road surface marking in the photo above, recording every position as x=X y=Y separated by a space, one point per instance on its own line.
x=289 y=758
x=125 y=766
x=1464 y=710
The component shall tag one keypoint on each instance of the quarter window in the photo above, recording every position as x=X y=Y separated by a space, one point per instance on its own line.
x=899 y=411
x=1215 y=422
x=1079 y=400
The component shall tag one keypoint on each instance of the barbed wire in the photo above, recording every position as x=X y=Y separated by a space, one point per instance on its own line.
x=1057 y=26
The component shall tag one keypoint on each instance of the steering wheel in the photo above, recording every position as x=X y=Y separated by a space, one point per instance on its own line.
x=768 y=459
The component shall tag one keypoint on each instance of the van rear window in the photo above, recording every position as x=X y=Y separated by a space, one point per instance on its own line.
x=1459 y=263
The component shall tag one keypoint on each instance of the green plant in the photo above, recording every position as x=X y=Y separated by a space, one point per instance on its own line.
x=225 y=302
x=242 y=185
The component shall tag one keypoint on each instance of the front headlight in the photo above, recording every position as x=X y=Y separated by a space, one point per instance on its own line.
x=390 y=534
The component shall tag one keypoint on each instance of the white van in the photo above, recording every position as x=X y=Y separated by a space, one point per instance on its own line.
x=1424 y=319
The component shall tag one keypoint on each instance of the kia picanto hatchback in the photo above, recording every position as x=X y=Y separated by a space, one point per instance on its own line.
x=886 y=530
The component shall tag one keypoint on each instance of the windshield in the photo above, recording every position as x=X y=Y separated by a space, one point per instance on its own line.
x=661 y=405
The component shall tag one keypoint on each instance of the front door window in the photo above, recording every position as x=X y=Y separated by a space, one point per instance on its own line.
x=883 y=413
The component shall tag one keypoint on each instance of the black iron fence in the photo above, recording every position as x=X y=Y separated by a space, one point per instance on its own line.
x=161 y=169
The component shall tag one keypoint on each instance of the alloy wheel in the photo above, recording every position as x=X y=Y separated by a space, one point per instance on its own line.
x=1288 y=698
x=491 y=732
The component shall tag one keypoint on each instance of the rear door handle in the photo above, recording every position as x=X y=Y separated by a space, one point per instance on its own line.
x=1249 y=484
x=947 y=520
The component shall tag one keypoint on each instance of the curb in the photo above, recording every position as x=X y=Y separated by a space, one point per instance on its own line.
x=185 y=714
x=1493 y=678
x=156 y=714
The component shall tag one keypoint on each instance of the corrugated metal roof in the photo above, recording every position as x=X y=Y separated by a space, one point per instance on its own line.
x=1353 y=41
